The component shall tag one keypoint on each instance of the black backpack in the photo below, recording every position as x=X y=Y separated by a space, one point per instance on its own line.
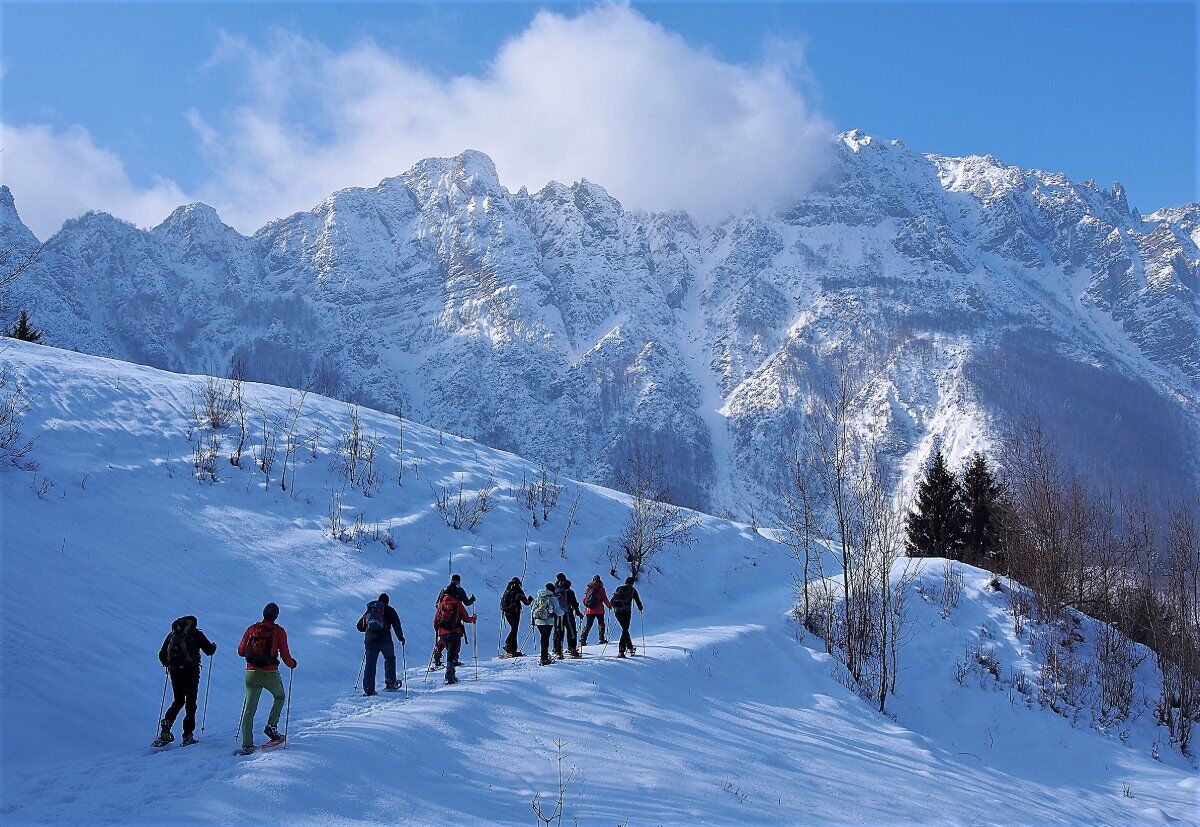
x=510 y=600
x=376 y=616
x=180 y=652
x=591 y=596
x=622 y=598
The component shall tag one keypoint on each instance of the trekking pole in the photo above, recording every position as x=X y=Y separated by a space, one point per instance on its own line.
x=361 y=666
x=528 y=635
x=404 y=666
x=207 y=689
x=476 y=638
x=288 y=717
x=163 y=702
x=428 y=669
x=642 y=621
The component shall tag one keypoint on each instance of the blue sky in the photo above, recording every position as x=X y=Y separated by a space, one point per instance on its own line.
x=1097 y=90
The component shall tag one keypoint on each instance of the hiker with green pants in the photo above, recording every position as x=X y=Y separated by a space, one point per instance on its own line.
x=263 y=645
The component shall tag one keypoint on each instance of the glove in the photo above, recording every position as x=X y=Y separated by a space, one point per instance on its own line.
x=401 y=641
x=293 y=664
x=472 y=597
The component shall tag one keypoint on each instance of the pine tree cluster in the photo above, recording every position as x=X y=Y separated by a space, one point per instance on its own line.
x=957 y=517
x=24 y=330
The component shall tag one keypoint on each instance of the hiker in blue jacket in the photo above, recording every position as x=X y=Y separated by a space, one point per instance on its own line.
x=377 y=622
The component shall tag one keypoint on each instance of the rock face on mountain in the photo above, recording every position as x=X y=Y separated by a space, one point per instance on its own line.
x=565 y=328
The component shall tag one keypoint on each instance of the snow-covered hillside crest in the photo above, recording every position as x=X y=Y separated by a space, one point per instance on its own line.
x=728 y=719
x=559 y=325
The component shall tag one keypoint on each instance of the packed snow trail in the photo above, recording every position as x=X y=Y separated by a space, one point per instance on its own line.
x=726 y=719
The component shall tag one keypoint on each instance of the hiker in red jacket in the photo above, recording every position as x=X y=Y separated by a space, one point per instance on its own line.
x=448 y=623
x=595 y=598
x=263 y=645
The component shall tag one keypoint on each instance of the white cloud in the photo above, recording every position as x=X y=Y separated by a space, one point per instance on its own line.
x=55 y=175
x=606 y=95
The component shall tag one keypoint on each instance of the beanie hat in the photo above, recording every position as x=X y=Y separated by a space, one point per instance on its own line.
x=383 y=598
x=270 y=612
x=628 y=581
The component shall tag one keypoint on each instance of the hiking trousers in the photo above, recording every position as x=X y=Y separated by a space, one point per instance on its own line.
x=185 y=685
x=545 y=631
x=587 y=627
x=513 y=619
x=624 y=618
x=452 y=643
x=256 y=681
x=375 y=648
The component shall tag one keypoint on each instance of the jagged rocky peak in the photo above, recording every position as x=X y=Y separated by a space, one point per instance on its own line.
x=192 y=221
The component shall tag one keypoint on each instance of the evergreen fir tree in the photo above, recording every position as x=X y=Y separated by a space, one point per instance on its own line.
x=23 y=330
x=981 y=518
x=935 y=526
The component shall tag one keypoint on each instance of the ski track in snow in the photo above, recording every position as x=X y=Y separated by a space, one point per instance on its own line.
x=726 y=720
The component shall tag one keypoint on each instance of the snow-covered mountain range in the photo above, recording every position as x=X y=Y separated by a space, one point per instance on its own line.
x=563 y=327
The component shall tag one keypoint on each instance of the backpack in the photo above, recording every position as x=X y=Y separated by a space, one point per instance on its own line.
x=510 y=601
x=622 y=598
x=259 y=646
x=591 y=597
x=446 y=616
x=543 y=608
x=376 y=616
x=180 y=654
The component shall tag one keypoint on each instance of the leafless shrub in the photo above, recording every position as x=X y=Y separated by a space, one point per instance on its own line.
x=336 y=525
x=555 y=815
x=653 y=524
x=239 y=416
x=356 y=456
x=291 y=441
x=952 y=586
x=204 y=457
x=571 y=517
x=461 y=510
x=268 y=451
x=214 y=403
x=15 y=450
x=44 y=487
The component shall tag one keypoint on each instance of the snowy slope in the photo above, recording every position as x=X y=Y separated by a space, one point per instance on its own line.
x=561 y=326
x=729 y=720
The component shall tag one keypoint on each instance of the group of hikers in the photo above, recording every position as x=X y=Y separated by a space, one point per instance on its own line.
x=554 y=612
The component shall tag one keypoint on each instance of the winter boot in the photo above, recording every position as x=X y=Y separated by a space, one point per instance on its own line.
x=546 y=661
x=245 y=751
x=188 y=740
x=620 y=654
x=437 y=664
x=450 y=681
x=164 y=735
x=391 y=687
x=368 y=693
x=272 y=733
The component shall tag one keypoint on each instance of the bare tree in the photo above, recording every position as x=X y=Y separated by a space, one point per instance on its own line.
x=461 y=510
x=555 y=815
x=214 y=403
x=653 y=523
x=237 y=395
x=268 y=451
x=15 y=450
x=291 y=441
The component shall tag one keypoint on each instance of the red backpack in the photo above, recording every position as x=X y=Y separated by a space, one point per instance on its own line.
x=260 y=646
x=446 y=616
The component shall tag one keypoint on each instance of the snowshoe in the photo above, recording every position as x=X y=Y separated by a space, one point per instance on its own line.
x=435 y=667
x=546 y=662
x=370 y=693
x=450 y=681
x=187 y=741
x=602 y=642
x=620 y=654
x=576 y=654
x=458 y=663
x=505 y=655
x=391 y=687
x=272 y=733
x=244 y=751
x=165 y=736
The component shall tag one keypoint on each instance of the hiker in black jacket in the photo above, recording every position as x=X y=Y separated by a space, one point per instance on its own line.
x=455 y=588
x=567 y=627
x=510 y=606
x=180 y=655
x=623 y=600
x=378 y=621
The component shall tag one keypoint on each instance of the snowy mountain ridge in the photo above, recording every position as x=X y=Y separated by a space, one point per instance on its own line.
x=725 y=717
x=559 y=325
